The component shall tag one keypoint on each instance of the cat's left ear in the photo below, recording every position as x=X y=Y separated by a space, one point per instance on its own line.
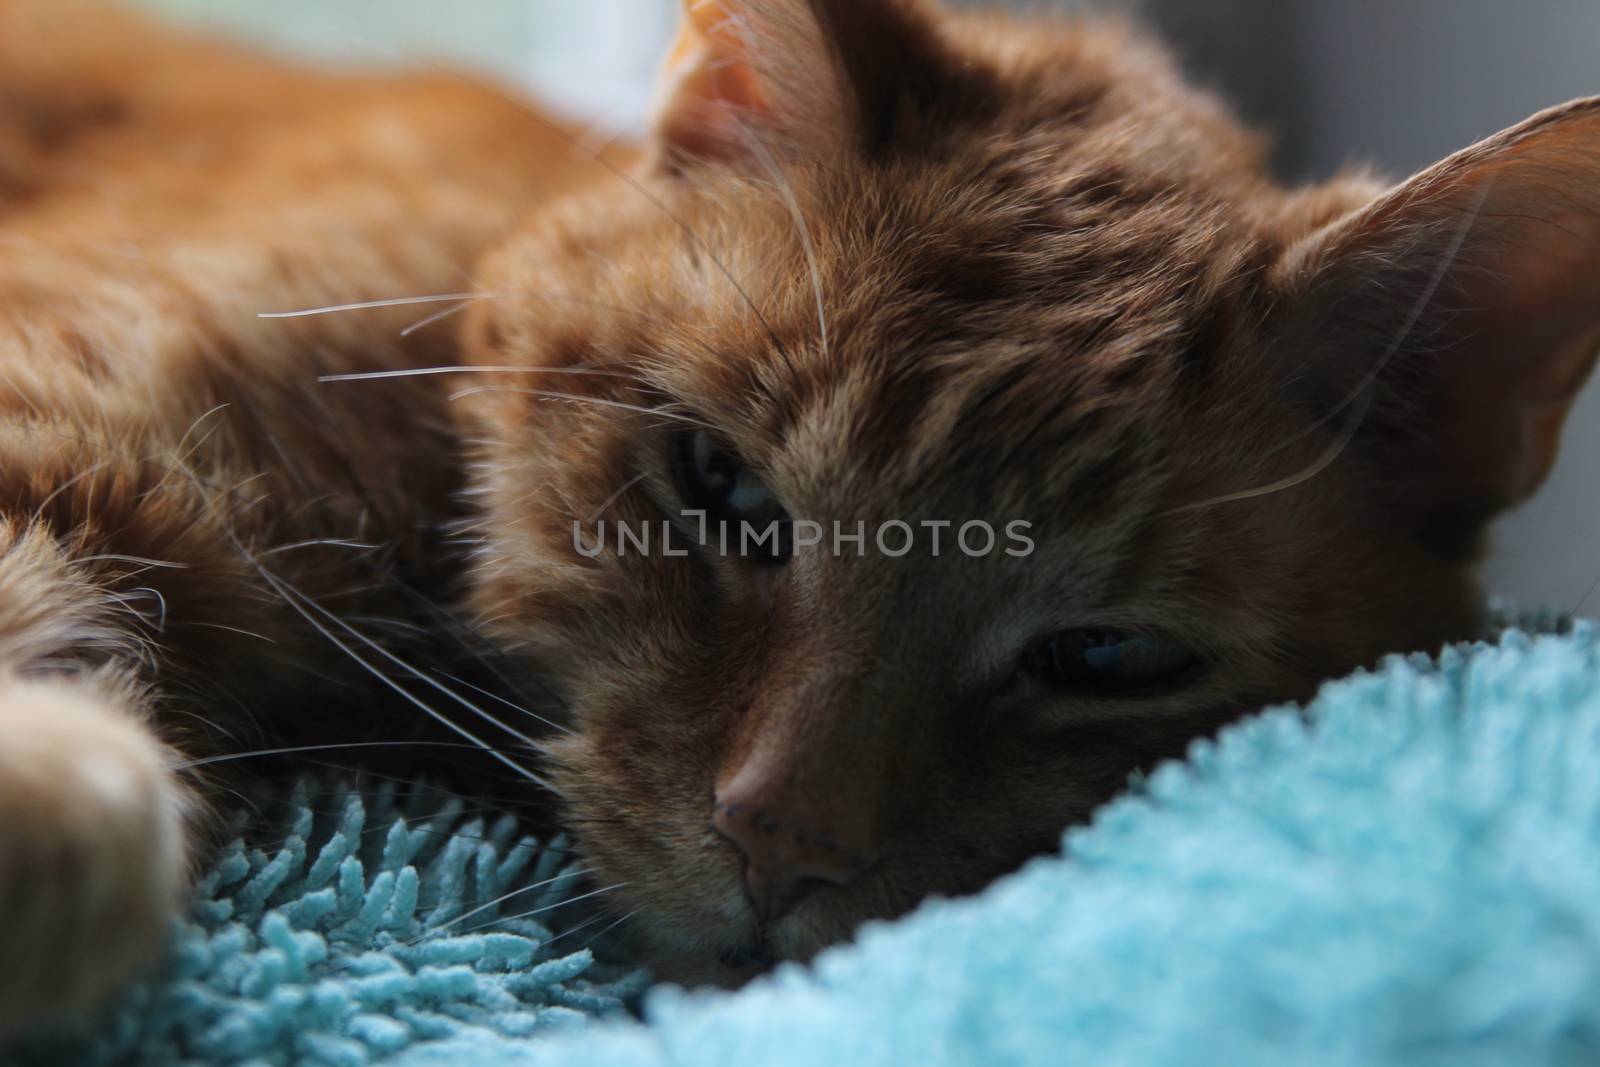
x=1464 y=306
x=793 y=77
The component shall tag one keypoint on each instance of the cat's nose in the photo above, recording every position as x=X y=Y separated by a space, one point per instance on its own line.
x=788 y=851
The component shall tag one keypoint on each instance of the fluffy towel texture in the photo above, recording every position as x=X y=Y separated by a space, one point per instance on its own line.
x=365 y=925
x=1407 y=872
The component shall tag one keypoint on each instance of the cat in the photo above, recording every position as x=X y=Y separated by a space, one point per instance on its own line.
x=880 y=272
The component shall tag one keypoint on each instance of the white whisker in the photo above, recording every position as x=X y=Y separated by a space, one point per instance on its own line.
x=784 y=187
x=514 y=707
x=292 y=749
x=292 y=598
x=368 y=305
x=437 y=316
x=1363 y=394
x=551 y=907
x=614 y=497
x=571 y=398
x=1317 y=466
x=112 y=557
x=425 y=679
x=146 y=592
x=423 y=372
x=590 y=921
x=44 y=505
x=322 y=542
x=1414 y=316
x=298 y=601
x=229 y=629
x=653 y=199
x=606 y=930
x=481 y=908
x=183 y=448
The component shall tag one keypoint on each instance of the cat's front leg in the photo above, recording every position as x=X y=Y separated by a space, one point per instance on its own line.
x=92 y=849
x=93 y=818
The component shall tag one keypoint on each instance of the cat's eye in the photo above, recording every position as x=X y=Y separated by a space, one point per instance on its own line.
x=739 y=507
x=1108 y=661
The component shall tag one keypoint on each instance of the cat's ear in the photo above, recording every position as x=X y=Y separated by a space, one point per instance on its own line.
x=794 y=77
x=1459 y=317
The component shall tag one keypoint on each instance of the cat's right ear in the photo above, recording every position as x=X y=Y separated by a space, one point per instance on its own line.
x=1452 y=323
x=796 y=78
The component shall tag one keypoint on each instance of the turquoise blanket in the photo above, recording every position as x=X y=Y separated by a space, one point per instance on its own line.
x=1406 y=871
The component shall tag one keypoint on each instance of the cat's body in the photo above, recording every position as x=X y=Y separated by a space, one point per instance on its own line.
x=909 y=268
x=166 y=455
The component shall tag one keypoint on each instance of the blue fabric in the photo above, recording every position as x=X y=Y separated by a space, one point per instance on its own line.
x=352 y=926
x=1407 y=871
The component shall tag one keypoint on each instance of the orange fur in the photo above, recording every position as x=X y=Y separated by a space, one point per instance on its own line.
x=1058 y=285
x=161 y=445
x=909 y=265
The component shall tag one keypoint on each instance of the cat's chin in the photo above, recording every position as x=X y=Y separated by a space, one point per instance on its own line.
x=730 y=968
x=754 y=954
x=744 y=956
x=719 y=947
x=742 y=963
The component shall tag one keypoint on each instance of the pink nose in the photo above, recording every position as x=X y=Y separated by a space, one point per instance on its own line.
x=787 y=855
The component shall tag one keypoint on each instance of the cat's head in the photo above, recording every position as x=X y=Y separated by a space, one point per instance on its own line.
x=1137 y=442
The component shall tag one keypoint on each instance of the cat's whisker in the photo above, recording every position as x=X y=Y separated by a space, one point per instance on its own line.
x=184 y=449
x=1362 y=395
x=423 y=372
x=530 y=742
x=599 y=158
x=370 y=305
x=143 y=593
x=618 y=495
x=1407 y=327
x=359 y=772
x=242 y=797
x=436 y=317
x=603 y=932
x=66 y=486
x=590 y=921
x=453 y=831
x=551 y=298
x=514 y=707
x=551 y=907
x=477 y=646
x=481 y=908
x=572 y=398
x=293 y=597
x=229 y=629
x=393 y=625
x=289 y=750
x=1329 y=456
x=115 y=557
x=1593 y=589
x=322 y=542
x=786 y=188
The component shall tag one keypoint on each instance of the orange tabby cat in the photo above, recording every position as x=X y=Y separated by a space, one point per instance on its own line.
x=884 y=272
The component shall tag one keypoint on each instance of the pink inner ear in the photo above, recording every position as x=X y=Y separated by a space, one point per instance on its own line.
x=711 y=88
x=1531 y=327
x=1538 y=303
x=1513 y=328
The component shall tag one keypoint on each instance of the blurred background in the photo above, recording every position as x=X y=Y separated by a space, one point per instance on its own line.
x=1394 y=85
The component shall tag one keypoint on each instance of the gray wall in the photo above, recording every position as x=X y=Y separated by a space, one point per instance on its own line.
x=1393 y=83
x=595 y=58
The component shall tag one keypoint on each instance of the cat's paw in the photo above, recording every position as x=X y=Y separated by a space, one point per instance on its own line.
x=91 y=847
